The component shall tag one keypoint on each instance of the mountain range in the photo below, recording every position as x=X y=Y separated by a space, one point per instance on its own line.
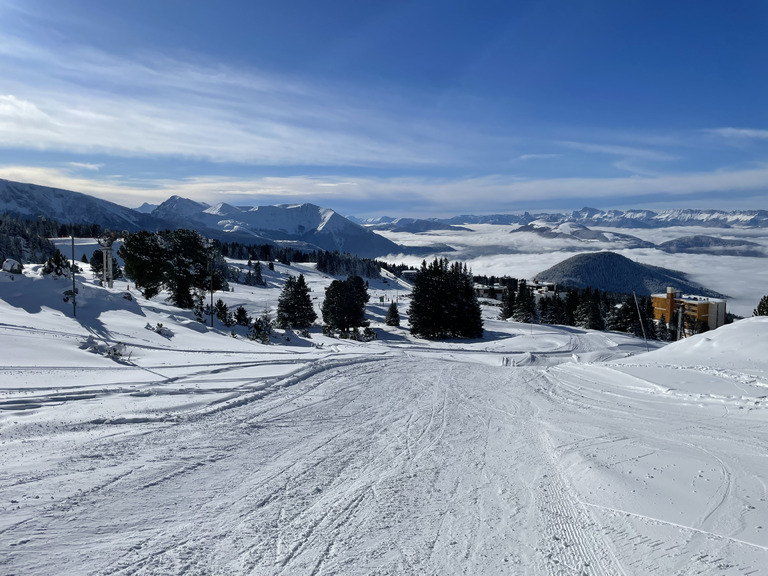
x=579 y=228
x=311 y=227
x=627 y=218
x=586 y=217
x=301 y=226
x=68 y=207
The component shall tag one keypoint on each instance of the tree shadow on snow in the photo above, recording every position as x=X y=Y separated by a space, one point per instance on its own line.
x=392 y=337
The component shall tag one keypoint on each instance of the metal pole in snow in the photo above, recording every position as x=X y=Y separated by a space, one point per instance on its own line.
x=74 y=298
x=210 y=265
x=640 y=317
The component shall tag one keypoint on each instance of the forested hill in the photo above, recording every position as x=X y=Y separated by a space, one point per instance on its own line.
x=25 y=240
x=613 y=272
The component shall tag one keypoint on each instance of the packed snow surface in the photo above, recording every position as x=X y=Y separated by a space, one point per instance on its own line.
x=133 y=448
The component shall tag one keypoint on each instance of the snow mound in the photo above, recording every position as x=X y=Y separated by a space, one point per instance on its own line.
x=733 y=346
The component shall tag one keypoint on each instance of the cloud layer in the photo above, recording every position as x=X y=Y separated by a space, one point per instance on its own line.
x=420 y=196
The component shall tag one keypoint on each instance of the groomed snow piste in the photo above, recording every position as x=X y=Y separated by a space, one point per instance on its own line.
x=126 y=448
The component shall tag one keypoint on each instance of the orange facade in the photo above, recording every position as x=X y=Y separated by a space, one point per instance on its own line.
x=701 y=308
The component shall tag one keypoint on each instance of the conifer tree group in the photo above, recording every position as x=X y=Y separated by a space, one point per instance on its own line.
x=181 y=261
x=344 y=304
x=57 y=265
x=26 y=240
x=444 y=303
x=337 y=264
x=254 y=275
x=586 y=308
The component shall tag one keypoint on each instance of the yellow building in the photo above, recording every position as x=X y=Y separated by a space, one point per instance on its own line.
x=701 y=308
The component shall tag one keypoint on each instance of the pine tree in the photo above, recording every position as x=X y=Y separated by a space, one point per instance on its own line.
x=26 y=240
x=294 y=305
x=595 y=318
x=58 y=265
x=190 y=264
x=525 y=304
x=261 y=328
x=762 y=307
x=651 y=330
x=466 y=318
x=662 y=331
x=221 y=311
x=258 y=280
x=242 y=318
x=305 y=311
x=393 y=315
x=542 y=311
x=249 y=281
x=507 y=304
x=571 y=304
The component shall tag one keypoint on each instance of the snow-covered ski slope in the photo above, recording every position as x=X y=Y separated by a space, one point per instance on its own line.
x=536 y=450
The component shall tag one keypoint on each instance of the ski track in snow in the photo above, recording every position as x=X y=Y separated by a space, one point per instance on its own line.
x=538 y=452
x=361 y=467
x=711 y=539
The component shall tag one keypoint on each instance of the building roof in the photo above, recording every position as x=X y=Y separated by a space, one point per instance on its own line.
x=689 y=298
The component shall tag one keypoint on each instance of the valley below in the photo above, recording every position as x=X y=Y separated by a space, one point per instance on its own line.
x=501 y=250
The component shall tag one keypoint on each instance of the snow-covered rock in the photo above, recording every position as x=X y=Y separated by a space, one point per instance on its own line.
x=12 y=266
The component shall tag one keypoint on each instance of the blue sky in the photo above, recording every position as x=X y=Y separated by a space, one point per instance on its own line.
x=422 y=108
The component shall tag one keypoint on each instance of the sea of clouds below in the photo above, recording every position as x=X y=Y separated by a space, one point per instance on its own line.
x=495 y=250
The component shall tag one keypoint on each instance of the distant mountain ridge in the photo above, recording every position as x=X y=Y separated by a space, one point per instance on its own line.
x=611 y=218
x=301 y=226
x=699 y=244
x=678 y=217
x=412 y=225
x=68 y=207
x=613 y=272
x=310 y=227
x=571 y=227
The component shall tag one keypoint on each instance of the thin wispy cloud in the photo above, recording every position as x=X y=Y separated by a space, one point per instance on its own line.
x=740 y=133
x=141 y=120
x=538 y=156
x=618 y=150
x=94 y=102
x=85 y=166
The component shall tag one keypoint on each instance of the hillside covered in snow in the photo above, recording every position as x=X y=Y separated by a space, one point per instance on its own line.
x=301 y=226
x=136 y=440
x=304 y=226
